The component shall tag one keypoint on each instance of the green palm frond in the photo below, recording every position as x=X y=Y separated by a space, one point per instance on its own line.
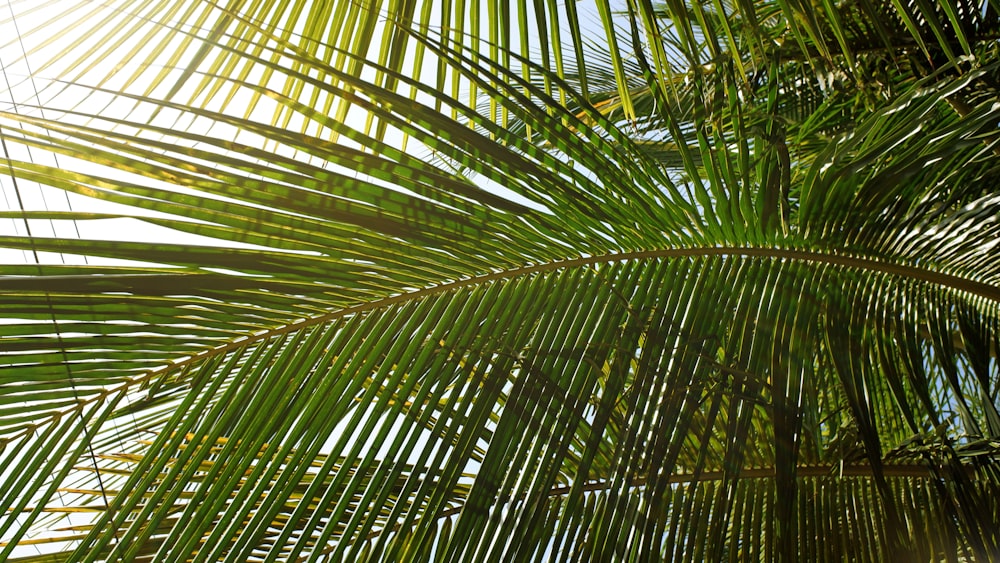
x=399 y=281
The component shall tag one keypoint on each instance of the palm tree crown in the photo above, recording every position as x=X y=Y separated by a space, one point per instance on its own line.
x=500 y=281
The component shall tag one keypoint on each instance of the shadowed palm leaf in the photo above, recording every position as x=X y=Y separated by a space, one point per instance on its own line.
x=408 y=282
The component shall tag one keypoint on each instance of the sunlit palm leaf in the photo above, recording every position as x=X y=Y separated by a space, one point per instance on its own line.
x=710 y=320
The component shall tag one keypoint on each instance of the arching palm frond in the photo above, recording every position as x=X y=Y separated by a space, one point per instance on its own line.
x=750 y=314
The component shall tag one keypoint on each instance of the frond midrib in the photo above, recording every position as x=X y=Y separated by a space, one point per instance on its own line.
x=833 y=471
x=949 y=281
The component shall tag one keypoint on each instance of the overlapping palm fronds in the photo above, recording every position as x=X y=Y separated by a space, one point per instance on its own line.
x=430 y=281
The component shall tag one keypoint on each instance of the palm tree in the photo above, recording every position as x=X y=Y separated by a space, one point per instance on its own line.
x=500 y=281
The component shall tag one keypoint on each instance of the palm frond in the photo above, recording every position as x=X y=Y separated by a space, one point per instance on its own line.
x=732 y=296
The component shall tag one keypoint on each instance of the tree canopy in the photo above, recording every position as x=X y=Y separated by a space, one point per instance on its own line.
x=500 y=280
